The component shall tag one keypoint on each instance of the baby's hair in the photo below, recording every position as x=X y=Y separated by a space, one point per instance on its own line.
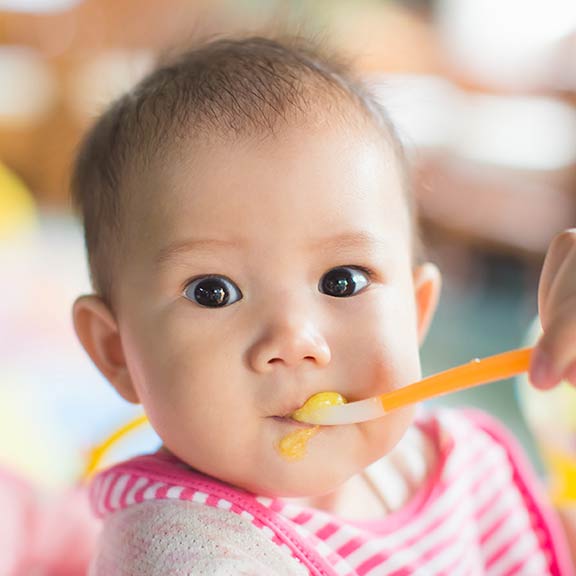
x=224 y=88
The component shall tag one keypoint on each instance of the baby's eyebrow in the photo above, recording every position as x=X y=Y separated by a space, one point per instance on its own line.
x=175 y=249
x=353 y=239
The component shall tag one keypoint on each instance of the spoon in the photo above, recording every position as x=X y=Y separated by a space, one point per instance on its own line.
x=474 y=373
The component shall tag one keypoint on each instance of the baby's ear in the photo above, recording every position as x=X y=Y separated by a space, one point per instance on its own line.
x=97 y=330
x=427 y=284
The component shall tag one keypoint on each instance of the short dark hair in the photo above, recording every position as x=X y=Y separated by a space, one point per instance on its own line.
x=233 y=86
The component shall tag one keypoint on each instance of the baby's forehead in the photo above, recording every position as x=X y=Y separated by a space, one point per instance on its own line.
x=192 y=157
x=306 y=172
x=178 y=144
x=197 y=144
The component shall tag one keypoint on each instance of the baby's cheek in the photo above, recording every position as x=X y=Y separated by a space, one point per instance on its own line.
x=383 y=434
x=383 y=364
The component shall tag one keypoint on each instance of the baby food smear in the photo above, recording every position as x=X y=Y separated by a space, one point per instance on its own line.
x=292 y=447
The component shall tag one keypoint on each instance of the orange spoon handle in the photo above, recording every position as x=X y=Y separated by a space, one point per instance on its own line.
x=497 y=367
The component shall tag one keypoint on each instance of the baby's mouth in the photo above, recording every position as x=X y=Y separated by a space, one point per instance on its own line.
x=287 y=419
x=297 y=415
x=293 y=446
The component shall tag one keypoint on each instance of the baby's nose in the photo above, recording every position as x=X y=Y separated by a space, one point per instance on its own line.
x=290 y=343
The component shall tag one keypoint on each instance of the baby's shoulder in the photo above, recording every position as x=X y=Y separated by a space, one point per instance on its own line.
x=184 y=537
x=161 y=517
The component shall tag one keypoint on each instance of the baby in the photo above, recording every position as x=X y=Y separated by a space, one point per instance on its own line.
x=252 y=242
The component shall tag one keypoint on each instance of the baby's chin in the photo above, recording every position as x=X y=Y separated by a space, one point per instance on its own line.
x=329 y=460
x=324 y=471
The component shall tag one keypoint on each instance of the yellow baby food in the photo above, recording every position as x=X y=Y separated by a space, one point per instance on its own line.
x=293 y=446
x=320 y=400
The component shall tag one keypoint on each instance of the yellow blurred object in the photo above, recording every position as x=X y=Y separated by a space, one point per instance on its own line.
x=30 y=445
x=97 y=454
x=551 y=416
x=562 y=467
x=17 y=208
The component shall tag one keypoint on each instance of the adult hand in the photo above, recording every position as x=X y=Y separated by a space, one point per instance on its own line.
x=554 y=357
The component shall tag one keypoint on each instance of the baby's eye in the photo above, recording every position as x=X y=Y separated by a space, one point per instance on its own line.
x=344 y=281
x=212 y=291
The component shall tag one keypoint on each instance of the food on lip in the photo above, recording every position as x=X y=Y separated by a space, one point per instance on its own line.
x=320 y=400
x=293 y=446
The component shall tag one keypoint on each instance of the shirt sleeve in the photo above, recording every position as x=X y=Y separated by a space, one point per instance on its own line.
x=178 y=538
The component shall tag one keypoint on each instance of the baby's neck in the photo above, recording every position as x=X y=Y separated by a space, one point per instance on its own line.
x=355 y=500
x=386 y=485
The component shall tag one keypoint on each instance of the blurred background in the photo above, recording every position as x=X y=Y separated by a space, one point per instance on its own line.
x=483 y=93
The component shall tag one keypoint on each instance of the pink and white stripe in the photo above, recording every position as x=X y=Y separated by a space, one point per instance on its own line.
x=479 y=514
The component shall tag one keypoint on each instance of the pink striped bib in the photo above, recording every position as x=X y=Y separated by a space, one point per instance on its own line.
x=479 y=513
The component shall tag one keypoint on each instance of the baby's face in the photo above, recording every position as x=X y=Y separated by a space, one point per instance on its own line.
x=261 y=273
